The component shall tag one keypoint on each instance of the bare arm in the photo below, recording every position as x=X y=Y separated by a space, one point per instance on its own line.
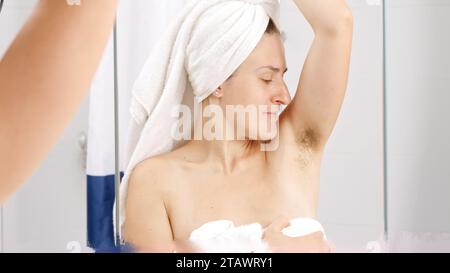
x=147 y=227
x=44 y=77
x=323 y=80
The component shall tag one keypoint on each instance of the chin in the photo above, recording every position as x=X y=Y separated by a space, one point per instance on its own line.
x=267 y=136
x=270 y=133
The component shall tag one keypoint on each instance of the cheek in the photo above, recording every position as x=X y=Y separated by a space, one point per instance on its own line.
x=230 y=97
x=250 y=92
x=258 y=92
x=259 y=96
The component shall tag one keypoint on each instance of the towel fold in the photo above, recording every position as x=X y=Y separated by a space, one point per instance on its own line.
x=223 y=236
x=198 y=52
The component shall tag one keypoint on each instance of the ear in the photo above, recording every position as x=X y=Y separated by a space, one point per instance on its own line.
x=218 y=93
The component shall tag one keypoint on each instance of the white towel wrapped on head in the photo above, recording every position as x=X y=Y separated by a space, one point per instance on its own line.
x=198 y=52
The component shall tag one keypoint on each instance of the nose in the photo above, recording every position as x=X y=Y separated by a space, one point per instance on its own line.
x=282 y=96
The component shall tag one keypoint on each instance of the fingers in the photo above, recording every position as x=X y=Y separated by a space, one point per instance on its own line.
x=318 y=234
x=278 y=224
x=321 y=245
x=273 y=230
x=331 y=246
x=314 y=242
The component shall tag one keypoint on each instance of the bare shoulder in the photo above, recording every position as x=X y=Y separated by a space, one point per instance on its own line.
x=150 y=174
x=147 y=225
x=159 y=174
x=156 y=176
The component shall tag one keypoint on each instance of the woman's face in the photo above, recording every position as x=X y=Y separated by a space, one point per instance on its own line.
x=258 y=86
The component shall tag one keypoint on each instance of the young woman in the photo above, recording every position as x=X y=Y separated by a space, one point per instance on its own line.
x=44 y=77
x=173 y=194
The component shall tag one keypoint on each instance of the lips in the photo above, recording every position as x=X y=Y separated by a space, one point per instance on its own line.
x=272 y=113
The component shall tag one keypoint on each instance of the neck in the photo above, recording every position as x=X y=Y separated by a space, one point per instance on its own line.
x=226 y=155
x=229 y=155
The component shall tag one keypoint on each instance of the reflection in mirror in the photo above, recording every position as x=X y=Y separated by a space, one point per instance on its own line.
x=40 y=222
x=350 y=207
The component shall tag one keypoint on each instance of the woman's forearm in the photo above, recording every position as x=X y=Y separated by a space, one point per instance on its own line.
x=44 y=77
x=326 y=16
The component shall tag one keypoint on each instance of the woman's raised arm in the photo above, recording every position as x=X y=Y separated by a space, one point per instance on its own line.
x=323 y=81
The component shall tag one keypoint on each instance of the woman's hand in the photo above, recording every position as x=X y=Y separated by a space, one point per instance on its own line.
x=325 y=15
x=278 y=242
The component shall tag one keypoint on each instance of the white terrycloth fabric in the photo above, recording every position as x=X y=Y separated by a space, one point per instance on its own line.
x=199 y=51
x=224 y=236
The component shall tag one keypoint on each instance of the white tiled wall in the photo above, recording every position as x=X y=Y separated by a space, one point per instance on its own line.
x=418 y=116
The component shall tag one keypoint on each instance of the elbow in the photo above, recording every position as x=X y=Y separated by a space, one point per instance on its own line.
x=340 y=24
x=345 y=20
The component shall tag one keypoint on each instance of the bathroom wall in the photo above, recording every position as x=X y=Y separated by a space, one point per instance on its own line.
x=418 y=126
